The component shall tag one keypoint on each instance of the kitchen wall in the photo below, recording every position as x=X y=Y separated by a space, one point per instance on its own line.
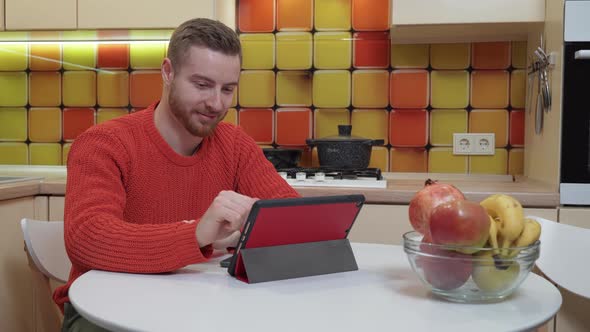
x=308 y=66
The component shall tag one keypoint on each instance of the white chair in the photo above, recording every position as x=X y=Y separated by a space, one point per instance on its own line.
x=48 y=260
x=564 y=256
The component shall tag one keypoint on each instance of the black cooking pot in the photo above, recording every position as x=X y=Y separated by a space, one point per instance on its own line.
x=283 y=158
x=344 y=150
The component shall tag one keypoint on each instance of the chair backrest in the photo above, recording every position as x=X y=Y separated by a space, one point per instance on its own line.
x=45 y=243
x=563 y=259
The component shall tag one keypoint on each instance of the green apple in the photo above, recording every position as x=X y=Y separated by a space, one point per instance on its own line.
x=490 y=277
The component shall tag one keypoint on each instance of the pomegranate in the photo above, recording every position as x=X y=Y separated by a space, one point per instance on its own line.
x=432 y=195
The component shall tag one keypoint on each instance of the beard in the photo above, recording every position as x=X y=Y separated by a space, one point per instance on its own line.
x=187 y=116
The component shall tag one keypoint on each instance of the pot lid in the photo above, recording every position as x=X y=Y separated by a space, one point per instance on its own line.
x=344 y=135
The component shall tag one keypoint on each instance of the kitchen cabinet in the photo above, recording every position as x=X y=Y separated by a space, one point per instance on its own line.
x=139 y=14
x=56 y=208
x=16 y=292
x=40 y=15
x=1 y=15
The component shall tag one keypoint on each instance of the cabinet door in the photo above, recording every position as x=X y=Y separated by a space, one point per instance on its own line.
x=56 y=208
x=1 y=15
x=138 y=14
x=38 y=14
x=381 y=224
x=549 y=214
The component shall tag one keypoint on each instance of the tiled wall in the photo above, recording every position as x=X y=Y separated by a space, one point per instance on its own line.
x=308 y=66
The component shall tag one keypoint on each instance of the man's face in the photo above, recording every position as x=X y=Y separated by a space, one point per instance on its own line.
x=201 y=89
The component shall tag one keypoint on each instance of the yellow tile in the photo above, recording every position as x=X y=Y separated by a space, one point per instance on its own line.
x=45 y=88
x=332 y=50
x=331 y=88
x=326 y=121
x=410 y=55
x=258 y=50
x=234 y=101
x=371 y=124
x=442 y=160
x=519 y=54
x=13 y=57
x=64 y=153
x=13 y=124
x=45 y=154
x=443 y=123
x=450 y=56
x=45 y=124
x=231 y=116
x=14 y=153
x=77 y=35
x=449 y=88
x=379 y=158
x=370 y=88
x=113 y=88
x=332 y=14
x=490 y=121
x=294 y=88
x=257 y=88
x=17 y=36
x=79 y=56
x=13 y=89
x=493 y=164
x=408 y=160
x=294 y=50
x=79 y=88
x=517 y=88
x=106 y=114
x=516 y=162
x=146 y=55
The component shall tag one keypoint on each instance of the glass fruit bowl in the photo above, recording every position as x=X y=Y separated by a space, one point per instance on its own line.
x=488 y=275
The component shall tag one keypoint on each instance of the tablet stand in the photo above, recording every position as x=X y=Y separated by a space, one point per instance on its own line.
x=294 y=261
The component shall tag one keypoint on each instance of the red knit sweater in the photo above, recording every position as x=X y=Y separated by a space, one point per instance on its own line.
x=128 y=192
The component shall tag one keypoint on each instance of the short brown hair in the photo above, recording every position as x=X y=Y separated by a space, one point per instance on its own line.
x=203 y=32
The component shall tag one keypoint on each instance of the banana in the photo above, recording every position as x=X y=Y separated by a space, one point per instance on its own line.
x=530 y=234
x=510 y=215
x=493 y=238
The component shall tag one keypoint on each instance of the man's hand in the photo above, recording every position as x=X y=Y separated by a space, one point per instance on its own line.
x=228 y=242
x=225 y=215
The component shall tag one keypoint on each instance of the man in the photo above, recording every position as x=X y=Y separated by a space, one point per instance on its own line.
x=156 y=190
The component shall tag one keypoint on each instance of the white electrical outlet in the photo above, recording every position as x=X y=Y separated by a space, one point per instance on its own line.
x=473 y=143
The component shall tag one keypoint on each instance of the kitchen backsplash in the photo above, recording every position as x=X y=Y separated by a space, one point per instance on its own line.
x=308 y=66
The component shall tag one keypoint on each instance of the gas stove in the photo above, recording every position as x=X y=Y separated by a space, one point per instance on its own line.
x=331 y=177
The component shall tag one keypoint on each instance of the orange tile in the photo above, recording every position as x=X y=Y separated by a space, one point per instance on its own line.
x=516 y=161
x=379 y=158
x=258 y=123
x=326 y=121
x=409 y=88
x=294 y=15
x=371 y=49
x=76 y=121
x=490 y=55
x=256 y=15
x=408 y=128
x=145 y=87
x=45 y=57
x=413 y=160
x=293 y=126
x=517 y=88
x=370 y=123
x=370 y=15
x=370 y=88
x=489 y=89
x=113 y=88
x=442 y=160
x=45 y=88
x=517 y=128
x=490 y=121
x=490 y=164
x=113 y=56
x=45 y=124
x=79 y=88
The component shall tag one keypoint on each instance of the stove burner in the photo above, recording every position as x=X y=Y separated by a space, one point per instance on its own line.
x=335 y=173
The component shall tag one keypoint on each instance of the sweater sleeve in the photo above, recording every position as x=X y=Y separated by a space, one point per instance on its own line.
x=96 y=234
x=256 y=176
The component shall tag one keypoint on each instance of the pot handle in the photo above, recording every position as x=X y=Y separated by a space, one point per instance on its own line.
x=310 y=142
x=377 y=142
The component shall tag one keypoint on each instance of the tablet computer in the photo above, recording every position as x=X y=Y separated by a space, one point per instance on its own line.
x=277 y=222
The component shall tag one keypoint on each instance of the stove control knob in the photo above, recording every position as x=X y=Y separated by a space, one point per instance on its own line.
x=300 y=176
x=283 y=175
x=320 y=176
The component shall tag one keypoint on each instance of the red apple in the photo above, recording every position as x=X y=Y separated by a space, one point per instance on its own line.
x=444 y=269
x=460 y=222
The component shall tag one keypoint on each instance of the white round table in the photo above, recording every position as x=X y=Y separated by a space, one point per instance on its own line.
x=384 y=294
